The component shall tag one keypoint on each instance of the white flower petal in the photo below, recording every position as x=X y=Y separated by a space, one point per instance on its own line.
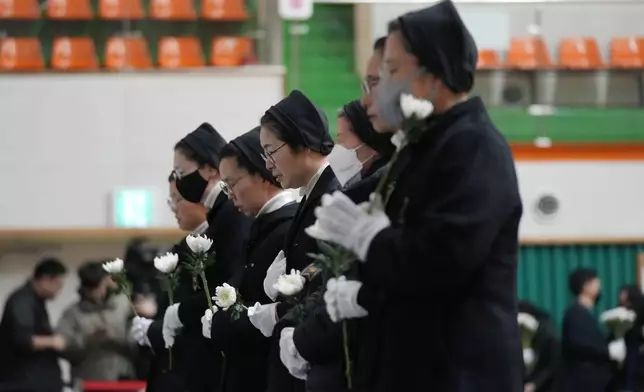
x=113 y=267
x=198 y=243
x=225 y=296
x=290 y=284
x=166 y=263
x=407 y=105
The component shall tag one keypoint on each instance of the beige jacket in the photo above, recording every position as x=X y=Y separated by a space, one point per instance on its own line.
x=98 y=346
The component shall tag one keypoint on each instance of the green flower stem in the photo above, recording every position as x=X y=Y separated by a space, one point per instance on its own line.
x=383 y=180
x=347 y=357
x=204 y=282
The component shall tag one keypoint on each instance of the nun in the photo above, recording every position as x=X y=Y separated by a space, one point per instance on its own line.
x=359 y=151
x=295 y=138
x=445 y=238
x=196 y=167
x=254 y=191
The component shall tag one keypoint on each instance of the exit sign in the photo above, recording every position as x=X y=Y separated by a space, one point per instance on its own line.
x=132 y=208
x=295 y=10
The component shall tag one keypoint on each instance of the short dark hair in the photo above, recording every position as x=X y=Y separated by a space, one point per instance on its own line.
x=231 y=151
x=190 y=154
x=91 y=274
x=578 y=278
x=379 y=45
x=393 y=27
x=287 y=137
x=49 y=267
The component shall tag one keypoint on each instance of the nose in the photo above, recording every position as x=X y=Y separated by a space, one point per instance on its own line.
x=269 y=164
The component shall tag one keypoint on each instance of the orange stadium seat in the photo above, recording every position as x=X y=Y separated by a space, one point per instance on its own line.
x=69 y=9
x=173 y=9
x=233 y=10
x=127 y=53
x=19 y=9
x=627 y=52
x=74 y=54
x=21 y=54
x=488 y=59
x=121 y=9
x=231 y=51
x=180 y=52
x=528 y=53
x=579 y=53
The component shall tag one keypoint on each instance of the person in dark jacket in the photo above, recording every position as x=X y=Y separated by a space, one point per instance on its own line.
x=318 y=340
x=295 y=137
x=196 y=161
x=254 y=191
x=359 y=151
x=630 y=376
x=447 y=240
x=29 y=349
x=587 y=355
x=541 y=376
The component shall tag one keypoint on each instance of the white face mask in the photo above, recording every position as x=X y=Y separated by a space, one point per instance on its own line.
x=345 y=163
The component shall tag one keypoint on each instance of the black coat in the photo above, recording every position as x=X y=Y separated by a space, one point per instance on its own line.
x=21 y=368
x=440 y=282
x=196 y=360
x=245 y=347
x=296 y=248
x=586 y=362
x=544 y=374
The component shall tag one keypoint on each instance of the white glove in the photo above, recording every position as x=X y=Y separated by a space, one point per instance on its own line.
x=139 y=330
x=277 y=268
x=296 y=365
x=617 y=350
x=341 y=298
x=263 y=317
x=206 y=322
x=528 y=356
x=341 y=221
x=171 y=324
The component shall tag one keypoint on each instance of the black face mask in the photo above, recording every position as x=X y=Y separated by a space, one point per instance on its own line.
x=192 y=186
x=598 y=297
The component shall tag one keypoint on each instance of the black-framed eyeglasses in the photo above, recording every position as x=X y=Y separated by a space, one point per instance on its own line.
x=268 y=155
x=227 y=188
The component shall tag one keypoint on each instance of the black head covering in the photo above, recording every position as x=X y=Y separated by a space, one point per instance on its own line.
x=362 y=127
x=442 y=44
x=578 y=278
x=207 y=144
x=298 y=116
x=250 y=147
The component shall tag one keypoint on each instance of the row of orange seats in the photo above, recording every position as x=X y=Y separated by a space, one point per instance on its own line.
x=78 y=54
x=231 y=10
x=573 y=53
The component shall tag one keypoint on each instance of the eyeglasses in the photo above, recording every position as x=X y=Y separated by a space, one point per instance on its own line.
x=369 y=82
x=227 y=188
x=268 y=155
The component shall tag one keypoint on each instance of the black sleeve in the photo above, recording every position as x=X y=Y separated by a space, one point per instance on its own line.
x=548 y=357
x=155 y=336
x=19 y=310
x=446 y=237
x=317 y=338
x=228 y=235
x=583 y=338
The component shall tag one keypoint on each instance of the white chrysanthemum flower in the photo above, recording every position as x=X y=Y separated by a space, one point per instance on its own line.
x=399 y=139
x=415 y=108
x=225 y=296
x=618 y=314
x=528 y=321
x=166 y=263
x=290 y=284
x=113 y=267
x=198 y=243
x=253 y=309
x=528 y=356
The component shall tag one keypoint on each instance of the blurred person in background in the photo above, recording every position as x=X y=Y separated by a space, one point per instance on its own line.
x=253 y=190
x=586 y=353
x=359 y=151
x=542 y=375
x=29 y=349
x=96 y=329
x=296 y=142
x=197 y=180
x=630 y=376
x=139 y=263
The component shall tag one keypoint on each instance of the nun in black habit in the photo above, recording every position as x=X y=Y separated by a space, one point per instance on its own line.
x=254 y=191
x=196 y=163
x=296 y=141
x=447 y=240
